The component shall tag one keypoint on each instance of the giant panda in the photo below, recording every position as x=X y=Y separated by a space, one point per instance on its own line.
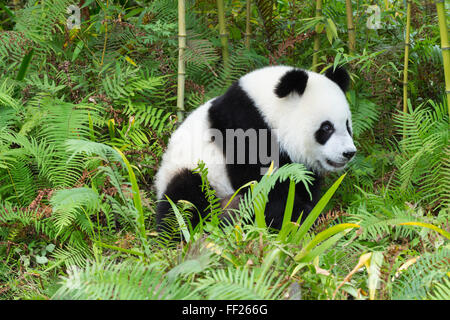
x=298 y=116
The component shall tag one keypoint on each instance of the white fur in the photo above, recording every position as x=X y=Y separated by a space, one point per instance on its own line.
x=295 y=118
x=188 y=145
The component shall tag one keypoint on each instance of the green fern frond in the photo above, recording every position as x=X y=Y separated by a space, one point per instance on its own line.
x=10 y=215
x=422 y=161
x=44 y=84
x=21 y=183
x=294 y=171
x=158 y=119
x=441 y=291
x=240 y=284
x=364 y=113
x=77 y=254
x=210 y=194
x=418 y=280
x=129 y=280
x=266 y=12
x=7 y=98
x=240 y=62
x=14 y=46
x=68 y=204
x=65 y=121
x=121 y=83
x=77 y=147
x=38 y=21
x=7 y=118
x=200 y=54
x=165 y=10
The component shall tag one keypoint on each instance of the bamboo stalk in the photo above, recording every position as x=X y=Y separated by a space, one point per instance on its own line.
x=181 y=62
x=350 y=27
x=316 y=36
x=445 y=46
x=247 y=24
x=223 y=31
x=405 y=67
x=106 y=35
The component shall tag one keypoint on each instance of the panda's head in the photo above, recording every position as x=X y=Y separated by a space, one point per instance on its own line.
x=316 y=126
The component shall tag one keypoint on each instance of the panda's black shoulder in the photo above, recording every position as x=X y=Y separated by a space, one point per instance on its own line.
x=235 y=109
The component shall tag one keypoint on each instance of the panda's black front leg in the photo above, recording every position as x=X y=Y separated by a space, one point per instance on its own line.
x=276 y=204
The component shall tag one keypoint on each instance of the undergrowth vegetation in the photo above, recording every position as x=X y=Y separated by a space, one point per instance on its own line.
x=86 y=114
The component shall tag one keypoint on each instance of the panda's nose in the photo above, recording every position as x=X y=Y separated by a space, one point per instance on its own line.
x=349 y=154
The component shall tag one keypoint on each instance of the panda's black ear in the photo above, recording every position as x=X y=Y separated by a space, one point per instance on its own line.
x=339 y=76
x=292 y=81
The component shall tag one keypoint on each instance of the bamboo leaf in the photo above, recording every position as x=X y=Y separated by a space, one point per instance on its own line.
x=322 y=236
x=429 y=226
x=24 y=65
x=325 y=245
x=79 y=46
x=237 y=191
x=130 y=61
x=9 y=12
x=287 y=225
x=315 y=212
x=136 y=194
x=333 y=28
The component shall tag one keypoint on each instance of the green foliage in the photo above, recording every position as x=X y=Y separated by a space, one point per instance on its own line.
x=37 y=20
x=364 y=113
x=424 y=152
x=419 y=279
x=85 y=115
x=441 y=290
x=241 y=284
x=68 y=204
x=124 y=281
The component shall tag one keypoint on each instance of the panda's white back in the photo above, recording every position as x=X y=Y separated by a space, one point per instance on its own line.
x=189 y=144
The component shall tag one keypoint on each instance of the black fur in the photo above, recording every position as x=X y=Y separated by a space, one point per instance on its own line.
x=185 y=185
x=324 y=132
x=235 y=110
x=348 y=129
x=339 y=76
x=292 y=81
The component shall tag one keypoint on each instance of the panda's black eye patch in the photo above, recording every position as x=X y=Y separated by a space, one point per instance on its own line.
x=348 y=129
x=324 y=132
